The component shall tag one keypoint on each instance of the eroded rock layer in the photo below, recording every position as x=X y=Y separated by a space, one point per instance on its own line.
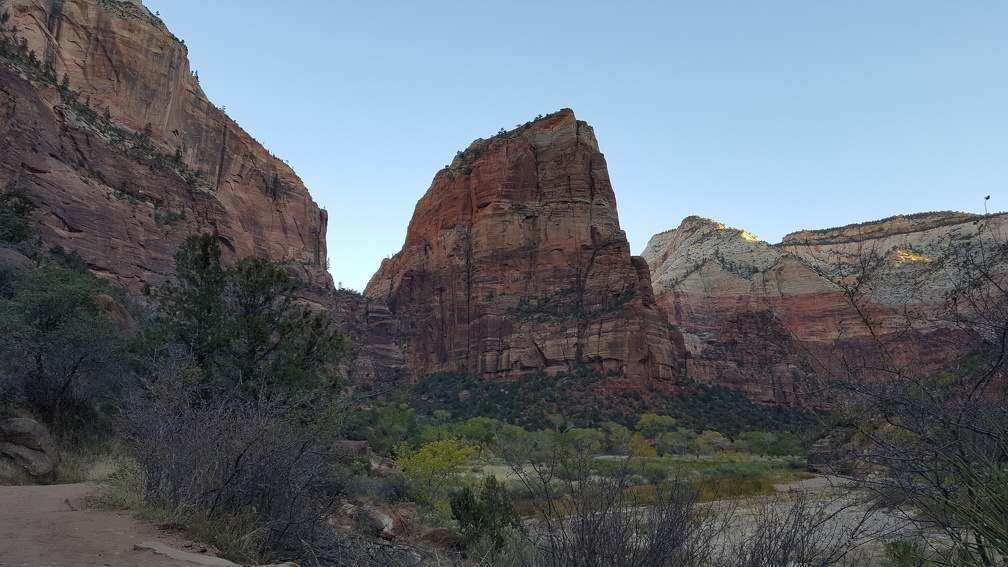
x=104 y=125
x=514 y=262
x=772 y=320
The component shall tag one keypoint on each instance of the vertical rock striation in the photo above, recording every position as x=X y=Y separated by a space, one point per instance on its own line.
x=514 y=261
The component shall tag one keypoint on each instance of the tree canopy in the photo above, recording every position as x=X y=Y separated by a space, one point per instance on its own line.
x=244 y=325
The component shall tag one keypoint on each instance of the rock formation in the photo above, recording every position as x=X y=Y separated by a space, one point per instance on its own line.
x=769 y=319
x=104 y=125
x=514 y=262
x=28 y=445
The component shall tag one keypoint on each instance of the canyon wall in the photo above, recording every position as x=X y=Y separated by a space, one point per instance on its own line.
x=514 y=262
x=104 y=125
x=773 y=321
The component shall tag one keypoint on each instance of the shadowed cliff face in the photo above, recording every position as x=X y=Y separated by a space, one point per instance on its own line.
x=770 y=320
x=514 y=261
x=140 y=159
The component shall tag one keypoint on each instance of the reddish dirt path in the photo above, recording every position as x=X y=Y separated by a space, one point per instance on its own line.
x=53 y=526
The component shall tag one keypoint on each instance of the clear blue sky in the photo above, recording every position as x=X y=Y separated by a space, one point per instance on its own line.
x=770 y=116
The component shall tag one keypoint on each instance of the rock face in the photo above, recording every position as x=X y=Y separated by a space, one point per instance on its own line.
x=769 y=319
x=514 y=262
x=29 y=445
x=124 y=156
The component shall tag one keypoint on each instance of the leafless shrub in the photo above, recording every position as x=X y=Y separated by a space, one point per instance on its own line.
x=796 y=529
x=591 y=519
x=253 y=461
x=933 y=433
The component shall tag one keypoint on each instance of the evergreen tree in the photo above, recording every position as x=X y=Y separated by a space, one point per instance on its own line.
x=244 y=325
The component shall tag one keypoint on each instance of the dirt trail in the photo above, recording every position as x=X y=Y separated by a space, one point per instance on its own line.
x=53 y=526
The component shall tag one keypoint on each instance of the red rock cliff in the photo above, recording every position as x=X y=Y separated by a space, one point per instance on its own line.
x=514 y=261
x=138 y=158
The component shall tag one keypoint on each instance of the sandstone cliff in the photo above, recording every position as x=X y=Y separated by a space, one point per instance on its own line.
x=769 y=320
x=514 y=261
x=104 y=125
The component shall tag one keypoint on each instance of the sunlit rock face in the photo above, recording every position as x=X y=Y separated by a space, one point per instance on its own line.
x=142 y=159
x=514 y=261
x=773 y=320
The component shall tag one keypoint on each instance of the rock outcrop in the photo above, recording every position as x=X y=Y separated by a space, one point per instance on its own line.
x=104 y=125
x=29 y=445
x=769 y=320
x=515 y=262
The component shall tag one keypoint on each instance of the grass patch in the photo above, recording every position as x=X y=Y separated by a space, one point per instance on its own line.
x=123 y=489
x=775 y=471
x=11 y=475
x=88 y=463
x=710 y=488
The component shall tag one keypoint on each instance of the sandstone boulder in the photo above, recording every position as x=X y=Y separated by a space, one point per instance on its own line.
x=29 y=445
x=386 y=522
x=13 y=267
x=13 y=262
x=440 y=538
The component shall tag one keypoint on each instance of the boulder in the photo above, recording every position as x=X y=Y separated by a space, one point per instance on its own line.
x=441 y=538
x=385 y=522
x=13 y=262
x=29 y=445
x=349 y=451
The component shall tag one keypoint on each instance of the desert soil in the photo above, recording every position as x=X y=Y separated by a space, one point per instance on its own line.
x=54 y=526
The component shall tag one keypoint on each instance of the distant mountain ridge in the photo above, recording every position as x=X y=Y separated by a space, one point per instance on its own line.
x=769 y=320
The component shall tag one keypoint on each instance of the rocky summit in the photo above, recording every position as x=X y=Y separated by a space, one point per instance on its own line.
x=107 y=129
x=514 y=262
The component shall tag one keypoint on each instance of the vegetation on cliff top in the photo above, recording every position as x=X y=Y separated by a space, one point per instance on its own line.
x=872 y=229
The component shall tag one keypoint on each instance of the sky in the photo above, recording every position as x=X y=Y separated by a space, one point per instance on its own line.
x=771 y=116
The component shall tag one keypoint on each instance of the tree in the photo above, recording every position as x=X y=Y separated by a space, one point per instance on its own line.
x=485 y=513
x=709 y=442
x=433 y=467
x=192 y=309
x=15 y=214
x=62 y=349
x=618 y=438
x=652 y=425
x=479 y=431
x=244 y=325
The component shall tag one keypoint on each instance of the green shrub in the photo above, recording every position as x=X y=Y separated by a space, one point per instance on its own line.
x=485 y=514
